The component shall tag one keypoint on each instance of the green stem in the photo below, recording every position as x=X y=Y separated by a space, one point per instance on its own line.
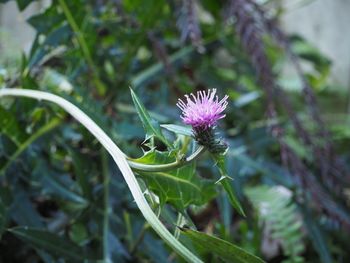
x=83 y=45
x=119 y=159
x=106 y=181
x=43 y=130
x=166 y=167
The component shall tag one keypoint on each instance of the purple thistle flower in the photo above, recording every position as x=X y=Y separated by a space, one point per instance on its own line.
x=204 y=110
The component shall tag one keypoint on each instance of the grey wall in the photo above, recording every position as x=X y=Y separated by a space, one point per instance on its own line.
x=325 y=24
x=14 y=26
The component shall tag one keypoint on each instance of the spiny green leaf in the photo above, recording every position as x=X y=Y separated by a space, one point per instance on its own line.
x=225 y=182
x=50 y=242
x=180 y=187
x=225 y=250
x=150 y=125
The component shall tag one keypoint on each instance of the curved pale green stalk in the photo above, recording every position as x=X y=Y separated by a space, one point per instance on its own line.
x=119 y=159
x=168 y=166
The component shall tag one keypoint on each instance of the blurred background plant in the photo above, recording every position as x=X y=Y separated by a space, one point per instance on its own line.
x=287 y=126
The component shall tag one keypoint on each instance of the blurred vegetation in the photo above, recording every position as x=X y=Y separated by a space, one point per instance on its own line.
x=62 y=199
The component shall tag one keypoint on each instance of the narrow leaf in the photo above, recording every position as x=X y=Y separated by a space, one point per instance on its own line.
x=226 y=184
x=50 y=242
x=178 y=129
x=225 y=250
x=150 y=125
x=58 y=185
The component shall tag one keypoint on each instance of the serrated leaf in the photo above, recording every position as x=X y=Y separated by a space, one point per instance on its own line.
x=178 y=129
x=225 y=181
x=180 y=187
x=222 y=248
x=150 y=125
x=50 y=242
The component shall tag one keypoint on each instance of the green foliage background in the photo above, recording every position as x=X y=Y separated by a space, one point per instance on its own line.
x=63 y=200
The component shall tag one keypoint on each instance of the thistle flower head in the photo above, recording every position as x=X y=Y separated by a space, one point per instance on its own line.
x=203 y=110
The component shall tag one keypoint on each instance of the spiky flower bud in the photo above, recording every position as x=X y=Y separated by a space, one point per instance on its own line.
x=202 y=112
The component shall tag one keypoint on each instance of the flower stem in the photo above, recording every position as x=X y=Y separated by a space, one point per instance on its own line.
x=166 y=167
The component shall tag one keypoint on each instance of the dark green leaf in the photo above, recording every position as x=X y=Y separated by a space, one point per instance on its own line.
x=22 y=210
x=22 y=4
x=53 y=185
x=50 y=242
x=9 y=126
x=58 y=185
x=225 y=250
x=23 y=146
x=47 y=21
